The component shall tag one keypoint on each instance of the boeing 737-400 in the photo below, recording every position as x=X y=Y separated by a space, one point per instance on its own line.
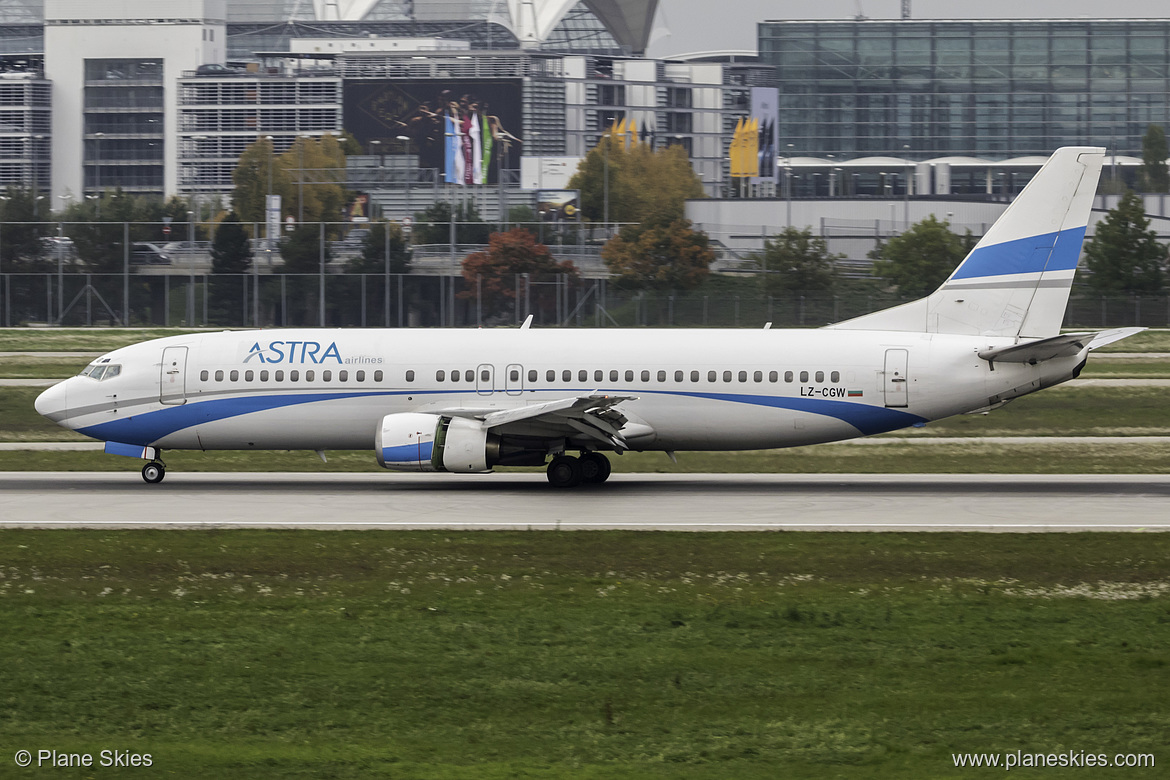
x=468 y=400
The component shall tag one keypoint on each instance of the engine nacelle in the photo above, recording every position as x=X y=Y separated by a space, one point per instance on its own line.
x=414 y=441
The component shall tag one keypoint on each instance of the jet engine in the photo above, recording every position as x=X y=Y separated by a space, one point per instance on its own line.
x=413 y=441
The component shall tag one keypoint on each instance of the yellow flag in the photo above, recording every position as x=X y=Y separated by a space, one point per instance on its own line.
x=633 y=132
x=621 y=132
x=733 y=152
x=751 y=155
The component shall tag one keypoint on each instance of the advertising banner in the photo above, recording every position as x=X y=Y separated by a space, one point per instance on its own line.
x=466 y=130
x=558 y=205
x=765 y=102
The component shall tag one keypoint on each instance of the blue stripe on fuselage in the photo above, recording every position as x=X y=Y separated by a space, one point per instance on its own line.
x=1021 y=256
x=149 y=428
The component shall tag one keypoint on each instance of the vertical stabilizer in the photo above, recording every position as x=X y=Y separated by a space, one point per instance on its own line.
x=1016 y=281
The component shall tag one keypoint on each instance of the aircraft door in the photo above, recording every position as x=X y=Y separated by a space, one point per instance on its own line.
x=896 y=378
x=514 y=379
x=485 y=379
x=173 y=376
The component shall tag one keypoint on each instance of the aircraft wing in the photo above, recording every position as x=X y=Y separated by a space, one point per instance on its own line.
x=591 y=416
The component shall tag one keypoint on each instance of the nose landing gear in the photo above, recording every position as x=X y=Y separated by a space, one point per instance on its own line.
x=154 y=472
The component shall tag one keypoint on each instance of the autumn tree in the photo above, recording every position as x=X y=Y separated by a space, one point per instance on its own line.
x=669 y=256
x=315 y=170
x=796 y=261
x=1154 y=175
x=491 y=275
x=256 y=175
x=645 y=185
x=922 y=258
x=1124 y=255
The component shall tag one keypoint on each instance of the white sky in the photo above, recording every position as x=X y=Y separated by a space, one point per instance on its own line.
x=685 y=26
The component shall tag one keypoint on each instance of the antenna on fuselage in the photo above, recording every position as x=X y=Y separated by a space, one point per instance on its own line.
x=527 y=323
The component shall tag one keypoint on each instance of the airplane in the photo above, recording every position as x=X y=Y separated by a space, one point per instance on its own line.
x=465 y=401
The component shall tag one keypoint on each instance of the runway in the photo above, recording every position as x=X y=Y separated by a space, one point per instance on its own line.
x=651 y=502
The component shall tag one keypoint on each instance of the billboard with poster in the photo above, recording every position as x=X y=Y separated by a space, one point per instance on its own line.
x=559 y=205
x=466 y=130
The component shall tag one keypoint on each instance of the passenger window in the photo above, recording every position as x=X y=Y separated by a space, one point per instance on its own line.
x=598 y=375
x=629 y=375
x=532 y=375
x=440 y=375
x=711 y=376
x=694 y=376
x=803 y=376
x=409 y=375
x=678 y=376
x=582 y=376
x=342 y=376
x=361 y=376
x=613 y=375
x=294 y=376
x=645 y=375
x=327 y=376
x=219 y=376
x=249 y=375
x=469 y=375
x=234 y=375
x=773 y=376
x=264 y=375
x=550 y=375
x=455 y=375
x=661 y=376
x=309 y=376
x=279 y=376
x=787 y=376
x=820 y=376
x=758 y=376
x=743 y=376
x=835 y=377
x=566 y=375
x=513 y=375
x=726 y=376
x=203 y=375
x=377 y=375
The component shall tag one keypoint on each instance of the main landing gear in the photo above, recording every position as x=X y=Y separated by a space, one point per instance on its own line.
x=154 y=472
x=565 y=471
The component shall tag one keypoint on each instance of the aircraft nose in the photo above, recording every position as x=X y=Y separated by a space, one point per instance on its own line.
x=54 y=402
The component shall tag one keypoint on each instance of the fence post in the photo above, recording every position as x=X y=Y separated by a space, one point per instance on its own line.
x=126 y=274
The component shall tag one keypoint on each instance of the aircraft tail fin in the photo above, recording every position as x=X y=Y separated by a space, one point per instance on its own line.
x=1016 y=281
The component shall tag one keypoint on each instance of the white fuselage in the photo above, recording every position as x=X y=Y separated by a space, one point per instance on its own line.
x=692 y=389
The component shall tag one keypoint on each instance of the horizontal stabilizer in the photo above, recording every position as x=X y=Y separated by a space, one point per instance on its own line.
x=1064 y=345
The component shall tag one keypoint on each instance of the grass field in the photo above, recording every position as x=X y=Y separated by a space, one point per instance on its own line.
x=582 y=655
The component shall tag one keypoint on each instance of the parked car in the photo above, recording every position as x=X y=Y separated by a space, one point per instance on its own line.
x=145 y=253
x=63 y=244
x=215 y=69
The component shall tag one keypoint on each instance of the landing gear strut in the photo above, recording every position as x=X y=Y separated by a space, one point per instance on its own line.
x=154 y=472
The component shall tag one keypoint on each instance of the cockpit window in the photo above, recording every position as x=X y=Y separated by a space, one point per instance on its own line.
x=102 y=372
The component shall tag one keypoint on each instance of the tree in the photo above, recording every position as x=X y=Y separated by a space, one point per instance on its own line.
x=922 y=258
x=1124 y=255
x=433 y=226
x=382 y=240
x=1154 y=175
x=256 y=175
x=661 y=256
x=314 y=169
x=491 y=275
x=231 y=257
x=796 y=261
x=21 y=249
x=644 y=185
x=301 y=250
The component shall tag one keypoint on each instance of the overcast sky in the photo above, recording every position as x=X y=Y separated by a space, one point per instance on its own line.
x=686 y=26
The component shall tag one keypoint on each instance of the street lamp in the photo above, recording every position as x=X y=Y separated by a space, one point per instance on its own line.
x=405 y=139
x=268 y=201
x=906 y=206
x=97 y=171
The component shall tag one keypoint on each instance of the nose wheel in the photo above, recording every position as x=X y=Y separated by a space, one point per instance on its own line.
x=154 y=472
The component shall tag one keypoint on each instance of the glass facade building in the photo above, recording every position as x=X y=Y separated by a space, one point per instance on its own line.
x=991 y=89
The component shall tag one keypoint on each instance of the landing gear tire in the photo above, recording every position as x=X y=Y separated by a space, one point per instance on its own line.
x=595 y=468
x=564 y=472
x=154 y=472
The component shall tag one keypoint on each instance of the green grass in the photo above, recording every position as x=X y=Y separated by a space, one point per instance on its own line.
x=1146 y=341
x=79 y=339
x=1102 y=367
x=583 y=655
x=41 y=367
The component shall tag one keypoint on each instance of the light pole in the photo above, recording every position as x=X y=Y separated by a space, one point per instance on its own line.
x=268 y=201
x=605 y=139
x=906 y=204
x=405 y=139
x=788 y=184
x=191 y=268
x=97 y=171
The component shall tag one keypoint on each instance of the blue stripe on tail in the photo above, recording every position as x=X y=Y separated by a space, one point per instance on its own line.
x=1048 y=252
